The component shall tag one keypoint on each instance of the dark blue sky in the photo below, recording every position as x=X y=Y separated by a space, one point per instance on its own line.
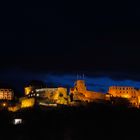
x=53 y=41
x=96 y=82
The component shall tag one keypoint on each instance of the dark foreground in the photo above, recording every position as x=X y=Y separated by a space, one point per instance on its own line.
x=83 y=123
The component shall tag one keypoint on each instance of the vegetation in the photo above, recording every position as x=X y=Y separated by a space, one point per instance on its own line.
x=95 y=121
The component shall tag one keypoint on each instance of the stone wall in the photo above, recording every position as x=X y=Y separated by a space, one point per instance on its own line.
x=122 y=91
x=87 y=95
x=27 y=102
x=6 y=94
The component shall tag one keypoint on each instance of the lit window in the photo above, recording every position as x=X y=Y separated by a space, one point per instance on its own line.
x=17 y=121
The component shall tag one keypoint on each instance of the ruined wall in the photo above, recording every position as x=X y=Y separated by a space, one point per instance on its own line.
x=60 y=96
x=80 y=88
x=94 y=95
x=27 y=102
x=46 y=92
x=53 y=95
x=122 y=91
x=14 y=108
x=6 y=94
x=28 y=90
x=80 y=85
x=130 y=93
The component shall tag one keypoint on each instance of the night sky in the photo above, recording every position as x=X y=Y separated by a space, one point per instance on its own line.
x=55 y=41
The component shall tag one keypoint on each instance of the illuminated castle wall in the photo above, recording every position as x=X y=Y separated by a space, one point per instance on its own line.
x=122 y=91
x=6 y=94
x=130 y=93
x=80 y=92
x=55 y=95
x=27 y=102
x=28 y=90
x=77 y=95
x=49 y=95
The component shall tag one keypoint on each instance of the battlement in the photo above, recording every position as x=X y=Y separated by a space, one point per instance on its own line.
x=122 y=91
x=80 y=85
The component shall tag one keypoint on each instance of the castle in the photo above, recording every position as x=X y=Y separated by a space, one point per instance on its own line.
x=80 y=92
x=130 y=93
x=6 y=94
x=77 y=94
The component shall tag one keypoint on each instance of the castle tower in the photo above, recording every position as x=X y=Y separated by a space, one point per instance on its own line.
x=80 y=85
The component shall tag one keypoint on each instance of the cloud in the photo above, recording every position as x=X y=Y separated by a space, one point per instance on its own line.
x=100 y=83
x=93 y=83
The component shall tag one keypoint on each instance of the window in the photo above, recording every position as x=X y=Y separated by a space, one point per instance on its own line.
x=17 y=121
x=60 y=95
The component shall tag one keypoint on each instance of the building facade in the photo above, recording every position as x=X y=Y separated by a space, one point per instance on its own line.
x=6 y=94
x=50 y=95
x=130 y=93
x=81 y=93
x=122 y=91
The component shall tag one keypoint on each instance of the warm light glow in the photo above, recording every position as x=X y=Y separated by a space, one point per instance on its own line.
x=4 y=104
x=14 y=108
x=25 y=102
x=126 y=96
x=28 y=90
